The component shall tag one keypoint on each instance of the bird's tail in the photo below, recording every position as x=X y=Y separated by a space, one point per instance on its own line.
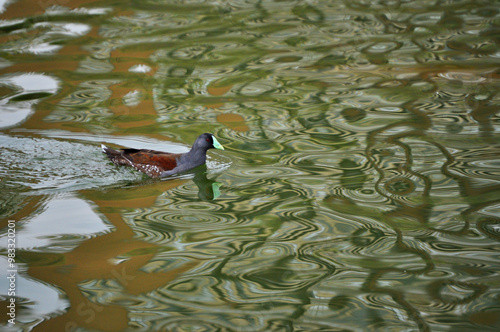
x=114 y=155
x=110 y=152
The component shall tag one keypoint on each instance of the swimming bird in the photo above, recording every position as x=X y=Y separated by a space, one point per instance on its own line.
x=162 y=164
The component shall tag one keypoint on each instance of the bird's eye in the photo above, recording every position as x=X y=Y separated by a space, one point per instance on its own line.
x=208 y=139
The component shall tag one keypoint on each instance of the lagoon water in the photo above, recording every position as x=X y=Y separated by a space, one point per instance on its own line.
x=359 y=188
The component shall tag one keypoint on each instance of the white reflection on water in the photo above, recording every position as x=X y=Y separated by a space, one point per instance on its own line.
x=32 y=82
x=2 y=5
x=47 y=230
x=140 y=69
x=43 y=299
x=15 y=112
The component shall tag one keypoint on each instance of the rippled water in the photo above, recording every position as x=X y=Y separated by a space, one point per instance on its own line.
x=359 y=189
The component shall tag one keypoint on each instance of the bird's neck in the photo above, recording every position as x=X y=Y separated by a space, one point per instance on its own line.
x=196 y=155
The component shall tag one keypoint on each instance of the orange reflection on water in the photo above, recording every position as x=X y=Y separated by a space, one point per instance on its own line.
x=233 y=121
x=93 y=260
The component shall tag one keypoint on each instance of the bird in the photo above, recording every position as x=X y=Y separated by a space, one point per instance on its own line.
x=162 y=164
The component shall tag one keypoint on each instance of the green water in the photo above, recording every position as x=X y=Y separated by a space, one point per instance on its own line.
x=358 y=189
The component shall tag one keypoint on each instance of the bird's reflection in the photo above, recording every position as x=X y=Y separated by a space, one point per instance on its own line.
x=207 y=189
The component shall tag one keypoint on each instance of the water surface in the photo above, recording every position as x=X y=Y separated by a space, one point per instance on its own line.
x=358 y=189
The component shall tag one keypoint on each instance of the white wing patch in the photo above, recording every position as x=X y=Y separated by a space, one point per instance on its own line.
x=151 y=170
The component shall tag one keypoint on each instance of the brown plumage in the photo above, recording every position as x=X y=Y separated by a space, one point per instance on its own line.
x=151 y=162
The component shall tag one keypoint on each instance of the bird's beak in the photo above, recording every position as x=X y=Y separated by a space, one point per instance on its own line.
x=217 y=145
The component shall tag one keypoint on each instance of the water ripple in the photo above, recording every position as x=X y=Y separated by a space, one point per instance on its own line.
x=55 y=165
x=357 y=189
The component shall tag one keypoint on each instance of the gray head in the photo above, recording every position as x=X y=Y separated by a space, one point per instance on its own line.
x=206 y=141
